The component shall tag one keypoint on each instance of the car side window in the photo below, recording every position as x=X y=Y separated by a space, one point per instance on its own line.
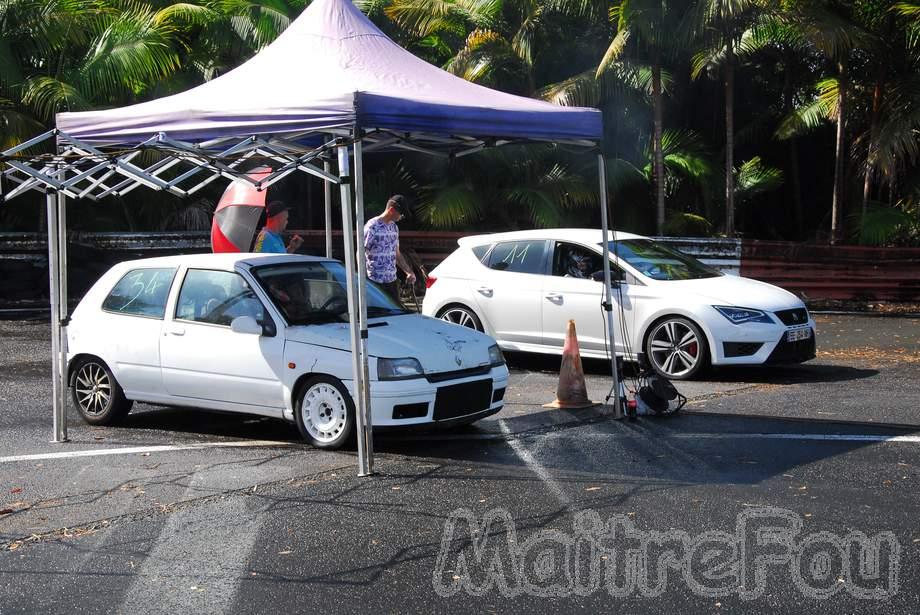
x=480 y=251
x=575 y=261
x=518 y=256
x=141 y=292
x=216 y=298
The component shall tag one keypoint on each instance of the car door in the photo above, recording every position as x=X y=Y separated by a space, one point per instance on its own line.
x=202 y=358
x=132 y=319
x=508 y=293
x=575 y=291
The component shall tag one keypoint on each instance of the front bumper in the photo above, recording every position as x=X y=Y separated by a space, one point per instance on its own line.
x=793 y=352
x=418 y=402
x=760 y=343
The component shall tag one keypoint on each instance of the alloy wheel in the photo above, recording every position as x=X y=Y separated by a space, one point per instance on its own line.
x=461 y=316
x=93 y=389
x=675 y=348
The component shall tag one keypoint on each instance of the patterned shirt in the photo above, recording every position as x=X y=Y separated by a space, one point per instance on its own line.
x=380 y=242
x=269 y=242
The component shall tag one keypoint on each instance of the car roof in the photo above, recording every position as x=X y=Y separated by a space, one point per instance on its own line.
x=225 y=261
x=582 y=235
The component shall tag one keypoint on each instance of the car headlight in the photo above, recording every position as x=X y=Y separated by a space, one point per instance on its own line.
x=398 y=369
x=495 y=355
x=739 y=315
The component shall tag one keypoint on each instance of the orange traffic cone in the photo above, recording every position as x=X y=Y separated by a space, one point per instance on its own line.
x=571 y=392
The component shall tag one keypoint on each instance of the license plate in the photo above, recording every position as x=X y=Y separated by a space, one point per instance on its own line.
x=798 y=334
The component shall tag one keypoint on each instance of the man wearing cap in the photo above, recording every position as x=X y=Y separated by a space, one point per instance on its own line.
x=269 y=238
x=381 y=247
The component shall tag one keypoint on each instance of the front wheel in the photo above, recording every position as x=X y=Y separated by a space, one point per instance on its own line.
x=98 y=396
x=325 y=413
x=461 y=315
x=676 y=349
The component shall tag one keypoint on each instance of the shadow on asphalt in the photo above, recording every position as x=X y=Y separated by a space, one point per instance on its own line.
x=804 y=373
x=210 y=423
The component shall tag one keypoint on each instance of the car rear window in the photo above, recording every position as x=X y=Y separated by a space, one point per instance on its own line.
x=518 y=256
x=141 y=292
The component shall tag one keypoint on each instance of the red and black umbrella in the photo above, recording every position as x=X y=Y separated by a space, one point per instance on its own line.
x=238 y=213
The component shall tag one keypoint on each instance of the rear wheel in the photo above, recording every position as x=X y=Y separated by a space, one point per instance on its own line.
x=461 y=315
x=325 y=413
x=98 y=396
x=676 y=348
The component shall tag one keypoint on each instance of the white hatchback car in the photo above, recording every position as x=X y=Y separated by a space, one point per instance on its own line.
x=268 y=335
x=523 y=287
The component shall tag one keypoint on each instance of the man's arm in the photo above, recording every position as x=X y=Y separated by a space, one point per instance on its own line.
x=404 y=265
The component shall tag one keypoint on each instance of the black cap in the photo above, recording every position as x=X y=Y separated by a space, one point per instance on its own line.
x=398 y=202
x=276 y=207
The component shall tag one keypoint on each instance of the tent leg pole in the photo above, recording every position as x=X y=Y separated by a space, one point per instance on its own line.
x=367 y=432
x=608 y=299
x=357 y=360
x=64 y=308
x=57 y=383
x=327 y=195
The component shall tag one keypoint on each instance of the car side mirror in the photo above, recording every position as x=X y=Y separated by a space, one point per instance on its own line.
x=598 y=276
x=246 y=325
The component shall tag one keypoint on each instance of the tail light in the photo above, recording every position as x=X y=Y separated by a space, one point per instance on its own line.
x=429 y=281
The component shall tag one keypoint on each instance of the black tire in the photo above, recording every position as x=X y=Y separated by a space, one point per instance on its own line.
x=461 y=315
x=328 y=419
x=677 y=349
x=99 y=398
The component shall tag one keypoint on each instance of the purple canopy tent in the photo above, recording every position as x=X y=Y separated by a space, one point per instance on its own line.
x=331 y=86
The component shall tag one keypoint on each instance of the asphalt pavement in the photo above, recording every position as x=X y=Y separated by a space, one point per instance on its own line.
x=780 y=490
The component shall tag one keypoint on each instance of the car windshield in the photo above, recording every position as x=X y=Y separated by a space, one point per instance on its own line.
x=314 y=293
x=659 y=262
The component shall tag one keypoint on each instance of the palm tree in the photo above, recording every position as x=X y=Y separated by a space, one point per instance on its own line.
x=646 y=34
x=721 y=24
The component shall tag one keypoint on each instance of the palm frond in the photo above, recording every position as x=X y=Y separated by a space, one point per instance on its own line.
x=451 y=206
x=47 y=95
x=813 y=114
x=614 y=51
x=880 y=223
x=753 y=177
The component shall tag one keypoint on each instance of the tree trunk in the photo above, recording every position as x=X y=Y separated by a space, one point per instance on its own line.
x=837 y=203
x=795 y=184
x=871 y=152
x=659 y=155
x=730 y=141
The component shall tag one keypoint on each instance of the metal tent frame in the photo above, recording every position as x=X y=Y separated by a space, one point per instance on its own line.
x=79 y=170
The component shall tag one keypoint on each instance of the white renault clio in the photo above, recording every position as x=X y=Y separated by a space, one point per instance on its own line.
x=268 y=335
x=523 y=287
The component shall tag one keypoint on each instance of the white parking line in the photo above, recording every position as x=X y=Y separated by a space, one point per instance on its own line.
x=141 y=449
x=535 y=466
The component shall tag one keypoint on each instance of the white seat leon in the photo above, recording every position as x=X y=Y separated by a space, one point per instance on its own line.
x=523 y=287
x=269 y=335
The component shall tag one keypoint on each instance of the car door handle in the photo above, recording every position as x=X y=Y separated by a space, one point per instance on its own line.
x=484 y=290
x=174 y=330
x=554 y=297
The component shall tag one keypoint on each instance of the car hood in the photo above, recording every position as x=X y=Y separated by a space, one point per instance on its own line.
x=737 y=291
x=439 y=346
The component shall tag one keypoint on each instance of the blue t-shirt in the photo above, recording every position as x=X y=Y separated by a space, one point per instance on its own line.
x=269 y=242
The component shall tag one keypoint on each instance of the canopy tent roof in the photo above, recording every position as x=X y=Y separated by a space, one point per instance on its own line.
x=333 y=69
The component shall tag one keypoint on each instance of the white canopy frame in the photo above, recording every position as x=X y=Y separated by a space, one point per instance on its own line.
x=80 y=170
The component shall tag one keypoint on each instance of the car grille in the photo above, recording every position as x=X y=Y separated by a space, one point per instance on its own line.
x=460 y=373
x=461 y=399
x=798 y=316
